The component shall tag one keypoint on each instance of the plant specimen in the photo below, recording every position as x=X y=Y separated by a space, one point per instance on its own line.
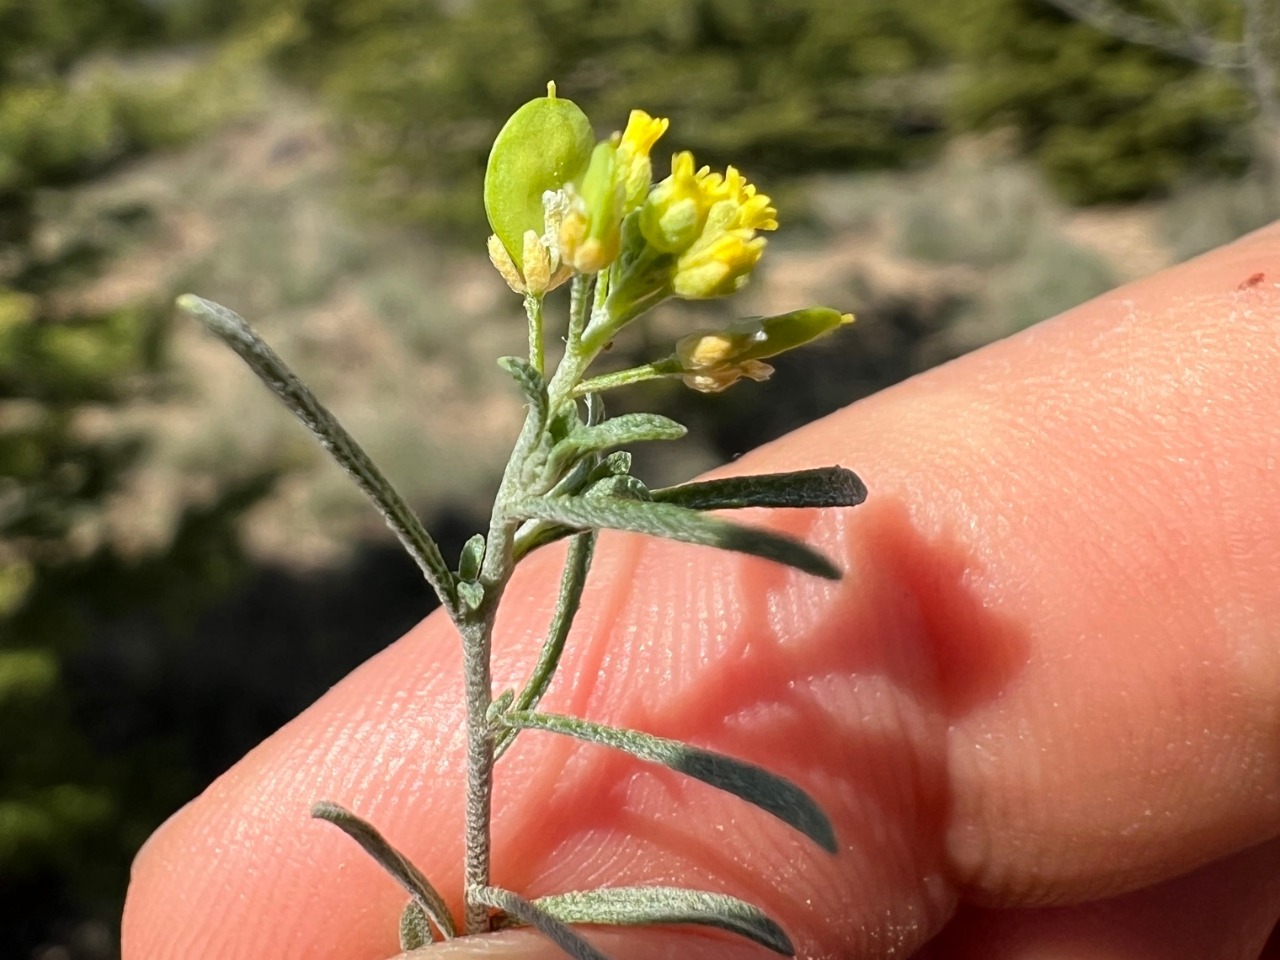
x=566 y=209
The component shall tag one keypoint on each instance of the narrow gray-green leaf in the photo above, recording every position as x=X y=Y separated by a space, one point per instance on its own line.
x=531 y=383
x=470 y=593
x=498 y=706
x=415 y=929
x=674 y=523
x=572 y=582
x=391 y=860
x=612 y=465
x=534 y=916
x=625 y=487
x=333 y=436
x=620 y=431
x=758 y=786
x=471 y=557
x=821 y=487
x=642 y=906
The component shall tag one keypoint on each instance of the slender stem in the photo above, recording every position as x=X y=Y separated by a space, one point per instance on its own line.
x=668 y=367
x=477 y=652
x=603 y=283
x=476 y=647
x=533 y=310
x=578 y=293
x=575 y=360
x=477 y=626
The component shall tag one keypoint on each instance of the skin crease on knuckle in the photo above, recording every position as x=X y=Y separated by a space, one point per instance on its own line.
x=1049 y=675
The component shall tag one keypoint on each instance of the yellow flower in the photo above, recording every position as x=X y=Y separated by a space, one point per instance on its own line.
x=635 y=169
x=676 y=209
x=709 y=220
x=718 y=267
x=615 y=183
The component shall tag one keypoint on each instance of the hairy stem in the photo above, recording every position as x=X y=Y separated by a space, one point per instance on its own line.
x=668 y=367
x=477 y=644
x=575 y=359
x=476 y=627
x=533 y=310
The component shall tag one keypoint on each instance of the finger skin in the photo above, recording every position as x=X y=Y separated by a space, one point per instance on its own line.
x=1049 y=675
x=1223 y=911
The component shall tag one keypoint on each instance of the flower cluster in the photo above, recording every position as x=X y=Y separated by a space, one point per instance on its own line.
x=563 y=206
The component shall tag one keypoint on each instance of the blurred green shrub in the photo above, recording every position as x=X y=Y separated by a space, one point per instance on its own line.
x=1051 y=275
x=781 y=86
x=1201 y=216
x=79 y=789
x=775 y=85
x=980 y=214
x=1105 y=120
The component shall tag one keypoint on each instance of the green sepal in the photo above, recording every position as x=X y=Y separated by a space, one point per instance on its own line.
x=646 y=906
x=602 y=200
x=755 y=338
x=529 y=914
x=770 y=336
x=393 y=861
x=768 y=791
x=471 y=557
x=820 y=487
x=544 y=145
x=674 y=523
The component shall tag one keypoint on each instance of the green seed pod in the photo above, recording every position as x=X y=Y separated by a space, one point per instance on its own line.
x=712 y=360
x=755 y=338
x=545 y=144
x=774 y=335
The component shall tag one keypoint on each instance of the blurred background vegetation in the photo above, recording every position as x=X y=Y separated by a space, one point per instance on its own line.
x=180 y=571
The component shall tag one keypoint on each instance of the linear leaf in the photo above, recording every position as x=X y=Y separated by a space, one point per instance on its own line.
x=820 y=487
x=534 y=916
x=391 y=860
x=674 y=523
x=620 y=431
x=415 y=929
x=471 y=557
x=624 y=487
x=612 y=465
x=332 y=435
x=758 y=786
x=641 y=906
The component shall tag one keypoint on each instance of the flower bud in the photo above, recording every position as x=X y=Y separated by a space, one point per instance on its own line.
x=615 y=183
x=713 y=360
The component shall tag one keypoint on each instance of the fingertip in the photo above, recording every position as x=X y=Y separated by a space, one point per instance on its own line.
x=634 y=943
